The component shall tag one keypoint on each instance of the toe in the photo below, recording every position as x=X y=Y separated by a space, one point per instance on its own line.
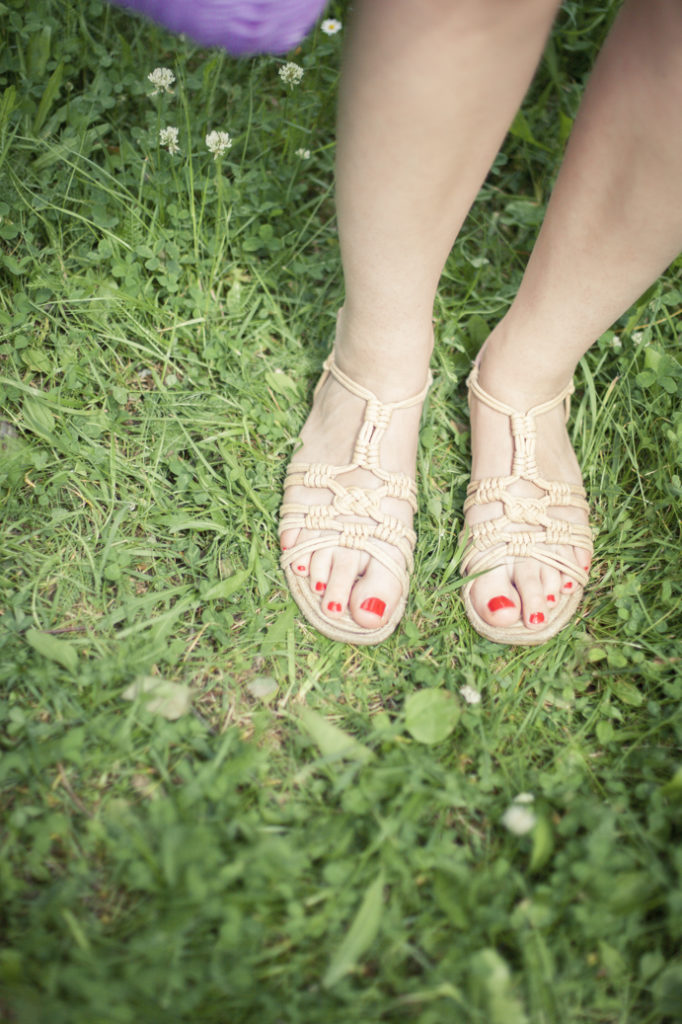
x=495 y=599
x=287 y=539
x=345 y=567
x=551 y=585
x=529 y=583
x=583 y=558
x=374 y=597
x=319 y=571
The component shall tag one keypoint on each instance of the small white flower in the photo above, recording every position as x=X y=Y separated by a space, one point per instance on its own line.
x=303 y=153
x=161 y=79
x=291 y=74
x=169 y=137
x=217 y=143
x=524 y=798
x=616 y=342
x=519 y=819
x=330 y=26
x=638 y=337
x=470 y=695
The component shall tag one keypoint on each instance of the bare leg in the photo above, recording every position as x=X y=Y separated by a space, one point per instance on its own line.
x=613 y=224
x=429 y=89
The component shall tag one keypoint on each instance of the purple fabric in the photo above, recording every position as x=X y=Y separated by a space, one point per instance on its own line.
x=239 y=26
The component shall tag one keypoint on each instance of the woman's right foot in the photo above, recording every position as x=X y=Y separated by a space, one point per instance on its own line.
x=343 y=579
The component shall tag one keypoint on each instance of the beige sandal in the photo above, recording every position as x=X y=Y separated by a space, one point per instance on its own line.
x=491 y=542
x=352 y=501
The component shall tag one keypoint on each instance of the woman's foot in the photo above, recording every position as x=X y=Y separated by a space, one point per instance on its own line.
x=523 y=590
x=343 y=580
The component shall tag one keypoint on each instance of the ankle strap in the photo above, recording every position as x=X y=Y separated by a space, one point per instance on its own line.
x=360 y=392
x=508 y=410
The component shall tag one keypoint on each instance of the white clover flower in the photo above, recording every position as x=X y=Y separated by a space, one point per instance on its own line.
x=638 y=337
x=303 y=153
x=470 y=695
x=291 y=74
x=218 y=142
x=330 y=26
x=519 y=819
x=169 y=137
x=616 y=342
x=524 y=798
x=161 y=79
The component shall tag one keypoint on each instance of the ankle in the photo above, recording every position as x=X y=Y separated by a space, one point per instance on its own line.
x=391 y=359
x=521 y=373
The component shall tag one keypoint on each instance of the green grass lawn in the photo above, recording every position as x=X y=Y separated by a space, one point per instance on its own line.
x=208 y=812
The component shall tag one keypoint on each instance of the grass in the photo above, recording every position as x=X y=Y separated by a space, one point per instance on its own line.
x=209 y=812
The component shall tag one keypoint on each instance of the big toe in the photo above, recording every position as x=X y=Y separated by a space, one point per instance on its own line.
x=374 y=597
x=495 y=599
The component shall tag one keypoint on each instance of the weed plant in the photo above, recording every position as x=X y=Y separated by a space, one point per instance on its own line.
x=209 y=812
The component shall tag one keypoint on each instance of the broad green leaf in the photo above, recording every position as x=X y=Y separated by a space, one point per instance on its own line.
x=50 y=647
x=161 y=696
x=360 y=935
x=626 y=691
x=431 y=715
x=37 y=416
x=332 y=741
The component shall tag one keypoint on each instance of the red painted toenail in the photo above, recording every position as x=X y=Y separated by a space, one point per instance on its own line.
x=334 y=606
x=320 y=586
x=301 y=568
x=495 y=604
x=567 y=585
x=551 y=597
x=536 y=618
x=586 y=568
x=374 y=605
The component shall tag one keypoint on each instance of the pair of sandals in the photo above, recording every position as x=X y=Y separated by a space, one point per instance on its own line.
x=526 y=527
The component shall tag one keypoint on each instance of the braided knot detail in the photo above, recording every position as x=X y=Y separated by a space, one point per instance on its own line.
x=357 y=501
x=318 y=476
x=398 y=485
x=558 y=531
x=489 y=490
x=559 y=493
x=520 y=544
x=532 y=511
x=524 y=434
x=486 y=532
x=354 y=535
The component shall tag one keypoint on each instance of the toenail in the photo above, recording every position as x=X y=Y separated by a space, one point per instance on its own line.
x=374 y=605
x=334 y=606
x=301 y=568
x=567 y=585
x=495 y=604
x=320 y=586
x=551 y=597
x=536 y=618
x=586 y=568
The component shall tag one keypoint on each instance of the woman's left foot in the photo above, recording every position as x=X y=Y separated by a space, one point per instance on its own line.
x=518 y=599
